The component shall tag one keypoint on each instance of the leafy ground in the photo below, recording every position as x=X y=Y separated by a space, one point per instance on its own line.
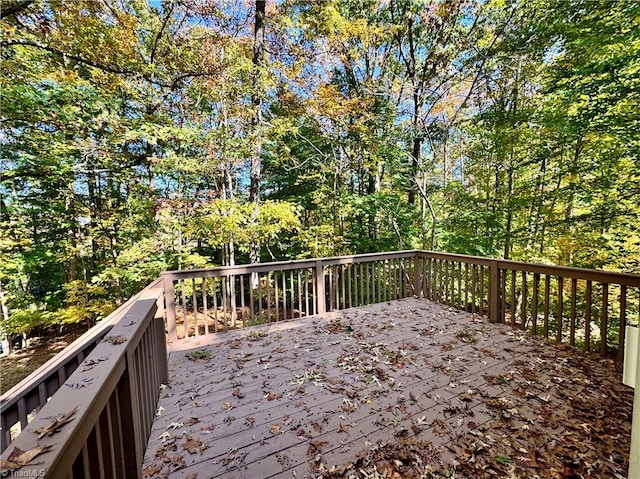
x=18 y=365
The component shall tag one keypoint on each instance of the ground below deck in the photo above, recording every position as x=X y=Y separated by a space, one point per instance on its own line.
x=408 y=388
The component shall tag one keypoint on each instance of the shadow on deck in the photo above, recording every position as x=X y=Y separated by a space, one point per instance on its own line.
x=407 y=388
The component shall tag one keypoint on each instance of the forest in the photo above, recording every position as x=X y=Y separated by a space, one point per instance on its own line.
x=141 y=136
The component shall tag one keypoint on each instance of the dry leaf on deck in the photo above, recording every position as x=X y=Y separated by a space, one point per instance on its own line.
x=151 y=470
x=193 y=445
x=275 y=429
x=57 y=424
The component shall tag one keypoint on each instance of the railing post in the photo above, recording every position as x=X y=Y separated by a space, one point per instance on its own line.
x=320 y=299
x=494 y=277
x=417 y=283
x=170 y=306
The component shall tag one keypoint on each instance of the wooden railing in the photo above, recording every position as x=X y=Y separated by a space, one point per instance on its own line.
x=98 y=423
x=584 y=308
x=207 y=301
x=581 y=307
x=112 y=375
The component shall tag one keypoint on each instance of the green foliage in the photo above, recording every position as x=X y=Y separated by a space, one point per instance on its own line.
x=486 y=128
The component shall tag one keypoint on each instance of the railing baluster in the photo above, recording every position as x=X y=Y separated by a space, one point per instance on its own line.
x=534 y=303
x=260 y=308
x=368 y=277
x=195 y=306
x=466 y=287
x=547 y=287
x=292 y=293
x=243 y=306
x=512 y=306
x=560 y=308
x=299 y=278
x=361 y=283
x=587 y=317
x=225 y=301
x=622 y=322
x=185 y=314
x=459 y=305
x=474 y=273
x=604 y=318
x=331 y=292
x=215 y=303
x=572 y=325
x=205 y=305
x=503 y=295
x=268 y=295
x=307 y=311
x=523 y=309
x=482 y=310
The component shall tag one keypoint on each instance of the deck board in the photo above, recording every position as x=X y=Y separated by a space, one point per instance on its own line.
x=293 y=399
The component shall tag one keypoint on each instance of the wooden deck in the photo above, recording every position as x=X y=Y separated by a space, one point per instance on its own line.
x=322 y=397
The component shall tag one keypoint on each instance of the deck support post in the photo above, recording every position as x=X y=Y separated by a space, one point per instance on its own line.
x=170 y=306
x=494 y=278
x=321 y=306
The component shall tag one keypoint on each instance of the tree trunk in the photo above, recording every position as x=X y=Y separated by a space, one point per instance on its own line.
x=255 y=173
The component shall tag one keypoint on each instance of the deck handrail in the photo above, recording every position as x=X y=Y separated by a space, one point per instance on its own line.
x=19 y=404
x=99 y=425
x=547 y=296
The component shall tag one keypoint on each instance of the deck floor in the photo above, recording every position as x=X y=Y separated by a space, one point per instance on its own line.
x=409 y=387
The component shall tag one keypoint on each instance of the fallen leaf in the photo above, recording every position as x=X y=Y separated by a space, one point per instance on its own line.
x=89 y=363
x=18 y=458
x=275 y=429
x=178 y=462
x=115 y=339
x=159 y=412
x=236 y=392
x=175 y=425
x=151 y=470
x=165 y=436
x=191 y=421
x=56 y=425
x=193 y=445
x=227 y=406
x=83 y=383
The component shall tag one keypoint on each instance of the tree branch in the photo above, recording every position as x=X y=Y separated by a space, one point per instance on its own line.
x=11 y=8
